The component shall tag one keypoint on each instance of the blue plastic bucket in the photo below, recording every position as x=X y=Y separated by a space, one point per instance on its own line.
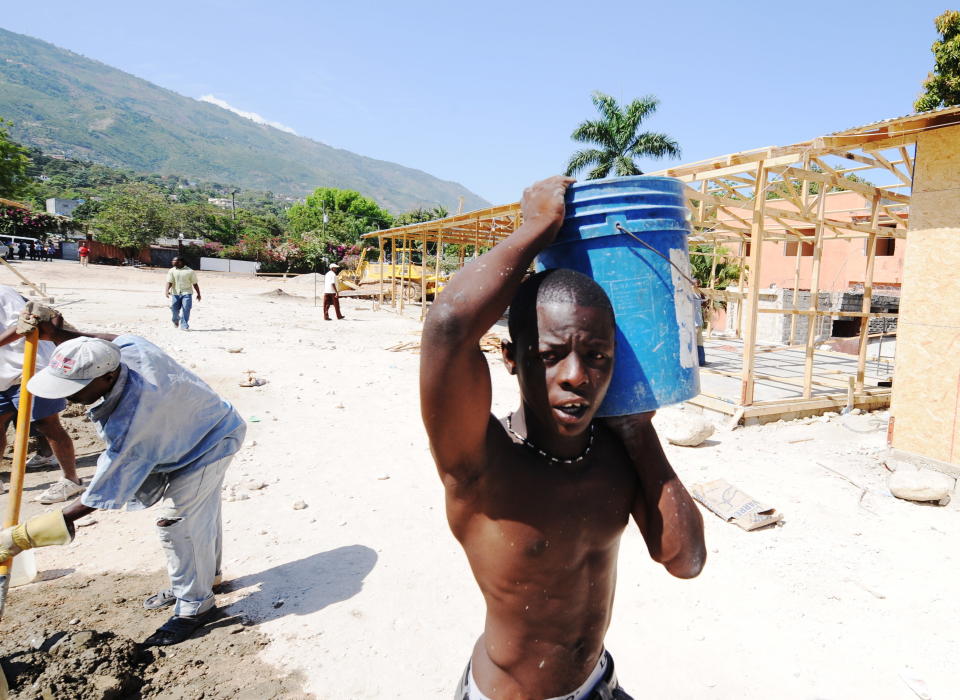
x=656 y=307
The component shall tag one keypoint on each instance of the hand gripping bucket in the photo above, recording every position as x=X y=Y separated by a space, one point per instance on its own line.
x=648 y=281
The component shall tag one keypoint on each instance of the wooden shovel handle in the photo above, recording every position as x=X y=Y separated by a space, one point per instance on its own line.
x=24 y=413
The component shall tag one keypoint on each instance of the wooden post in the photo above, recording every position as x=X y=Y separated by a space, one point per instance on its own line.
x=738 y=327
x=813 y=319
x=476 y=240
x=756 y=255
x=805 y=202
x=380 y=241
x=868 y=292
x=423 y=275
x=393 y=272
x=436 y=274
x=708 y=307
x=796 y=290
x=403 y=252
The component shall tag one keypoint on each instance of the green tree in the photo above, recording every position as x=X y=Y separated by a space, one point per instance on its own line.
x=88 y=210
x=340 y=214
x=420 y=215
x=13 y=165
x=133 y=216
x=942 y=86
x=618 y=136
x=725 y=273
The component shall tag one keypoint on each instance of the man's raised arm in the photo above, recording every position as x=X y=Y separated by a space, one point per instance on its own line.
x=455 y=389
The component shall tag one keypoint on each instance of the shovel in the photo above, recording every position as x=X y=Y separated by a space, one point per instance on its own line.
x=15 y=496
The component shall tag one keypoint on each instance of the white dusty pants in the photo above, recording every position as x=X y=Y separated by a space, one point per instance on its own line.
x=194 y=541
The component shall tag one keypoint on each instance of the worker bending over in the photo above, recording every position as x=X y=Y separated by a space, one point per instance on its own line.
x=169 y=438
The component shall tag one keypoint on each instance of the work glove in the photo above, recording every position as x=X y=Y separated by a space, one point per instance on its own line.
x=39 y=531
x=32 y=315
x=35 y=316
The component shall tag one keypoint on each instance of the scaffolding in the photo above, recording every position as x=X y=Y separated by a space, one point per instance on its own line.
x=742 y=201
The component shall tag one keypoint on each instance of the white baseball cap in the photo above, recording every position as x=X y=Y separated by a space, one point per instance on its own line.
x=74 y=364
x=334 y=266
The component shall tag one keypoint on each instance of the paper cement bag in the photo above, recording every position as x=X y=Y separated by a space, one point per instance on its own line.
x=733 y=505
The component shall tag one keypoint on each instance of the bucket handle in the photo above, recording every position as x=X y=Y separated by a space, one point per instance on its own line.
x=688 y=278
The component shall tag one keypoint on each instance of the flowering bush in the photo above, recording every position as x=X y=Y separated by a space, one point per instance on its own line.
x=15 y=221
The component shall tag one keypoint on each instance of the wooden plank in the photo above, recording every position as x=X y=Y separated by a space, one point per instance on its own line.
x=756 y=257
x=830 y=382
x=713 y=403
x=829 y=312
x=869 y=401
x=423 y=275
x=907 y=160
x=867 y=294
x=380 y=243
x=814 y=295
x=905 y=179
x=867 y=191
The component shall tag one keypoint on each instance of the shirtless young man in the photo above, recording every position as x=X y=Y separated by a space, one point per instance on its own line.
x=540 y=499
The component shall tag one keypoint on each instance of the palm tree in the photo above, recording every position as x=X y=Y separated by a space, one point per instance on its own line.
x=617 y=135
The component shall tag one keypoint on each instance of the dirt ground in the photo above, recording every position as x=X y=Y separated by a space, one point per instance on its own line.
x=346 y=583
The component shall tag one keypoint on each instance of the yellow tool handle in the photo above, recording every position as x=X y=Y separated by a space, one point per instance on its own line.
x=24 y=413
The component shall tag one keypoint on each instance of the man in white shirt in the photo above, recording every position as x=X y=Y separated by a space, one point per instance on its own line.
x=330 y=295
x=46 y=412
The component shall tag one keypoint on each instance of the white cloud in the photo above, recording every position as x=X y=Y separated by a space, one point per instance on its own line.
x=252 y=116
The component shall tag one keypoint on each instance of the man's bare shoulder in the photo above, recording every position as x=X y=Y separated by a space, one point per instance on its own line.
x=472 y=467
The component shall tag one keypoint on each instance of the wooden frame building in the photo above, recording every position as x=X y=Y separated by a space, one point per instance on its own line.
x=738 y=204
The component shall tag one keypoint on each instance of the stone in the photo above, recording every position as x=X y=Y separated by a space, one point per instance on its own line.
x=923 y=485
x=299 y=505
x=85 y=638
x=681 y=428
x=254 y=484
x=108 y=686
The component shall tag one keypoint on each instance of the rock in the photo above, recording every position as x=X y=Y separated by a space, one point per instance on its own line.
x=254 y=484
x=681 y=428
x=84 y=638
x=299 y=505
x=924 y=485
x=108 y=686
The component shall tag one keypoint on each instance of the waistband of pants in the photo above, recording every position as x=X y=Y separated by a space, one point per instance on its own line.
x=602 y=674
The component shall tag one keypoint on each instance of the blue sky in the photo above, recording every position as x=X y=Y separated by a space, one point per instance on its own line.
x=487 y=93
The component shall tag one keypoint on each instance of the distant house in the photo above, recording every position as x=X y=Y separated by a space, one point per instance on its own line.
x=221 y=202
x=62 y=207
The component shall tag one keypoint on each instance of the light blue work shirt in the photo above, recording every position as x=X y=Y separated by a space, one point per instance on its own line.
x=158 y=419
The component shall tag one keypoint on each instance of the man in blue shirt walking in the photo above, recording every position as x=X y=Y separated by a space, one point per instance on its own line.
x=169 y=439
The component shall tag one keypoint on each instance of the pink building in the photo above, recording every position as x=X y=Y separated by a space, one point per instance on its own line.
x=843 y=263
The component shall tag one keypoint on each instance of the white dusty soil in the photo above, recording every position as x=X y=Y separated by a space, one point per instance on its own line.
x=851 y=595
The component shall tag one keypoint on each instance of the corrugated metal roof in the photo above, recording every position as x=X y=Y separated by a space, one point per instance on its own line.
x=932 y=114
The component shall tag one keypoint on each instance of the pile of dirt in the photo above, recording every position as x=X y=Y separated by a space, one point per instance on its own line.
x=87 y=665
x=279 y=293
x=100 y=656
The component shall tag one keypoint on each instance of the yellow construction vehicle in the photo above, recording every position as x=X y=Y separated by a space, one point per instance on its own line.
x=401 y=277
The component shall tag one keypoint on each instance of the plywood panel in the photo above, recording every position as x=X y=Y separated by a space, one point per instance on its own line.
x=938 y=161
x=926 y=387
x=936 y=209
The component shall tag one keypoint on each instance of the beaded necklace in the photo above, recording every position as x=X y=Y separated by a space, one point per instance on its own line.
x=549 y=457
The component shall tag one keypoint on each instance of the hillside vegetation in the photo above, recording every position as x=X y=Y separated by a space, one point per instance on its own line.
x=66 y=104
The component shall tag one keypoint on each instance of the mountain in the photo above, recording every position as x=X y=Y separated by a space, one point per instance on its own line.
x=70 y=105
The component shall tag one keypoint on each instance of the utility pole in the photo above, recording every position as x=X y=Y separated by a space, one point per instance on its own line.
x=233 y=204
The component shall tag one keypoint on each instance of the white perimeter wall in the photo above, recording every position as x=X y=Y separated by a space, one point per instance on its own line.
x=224 y=265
